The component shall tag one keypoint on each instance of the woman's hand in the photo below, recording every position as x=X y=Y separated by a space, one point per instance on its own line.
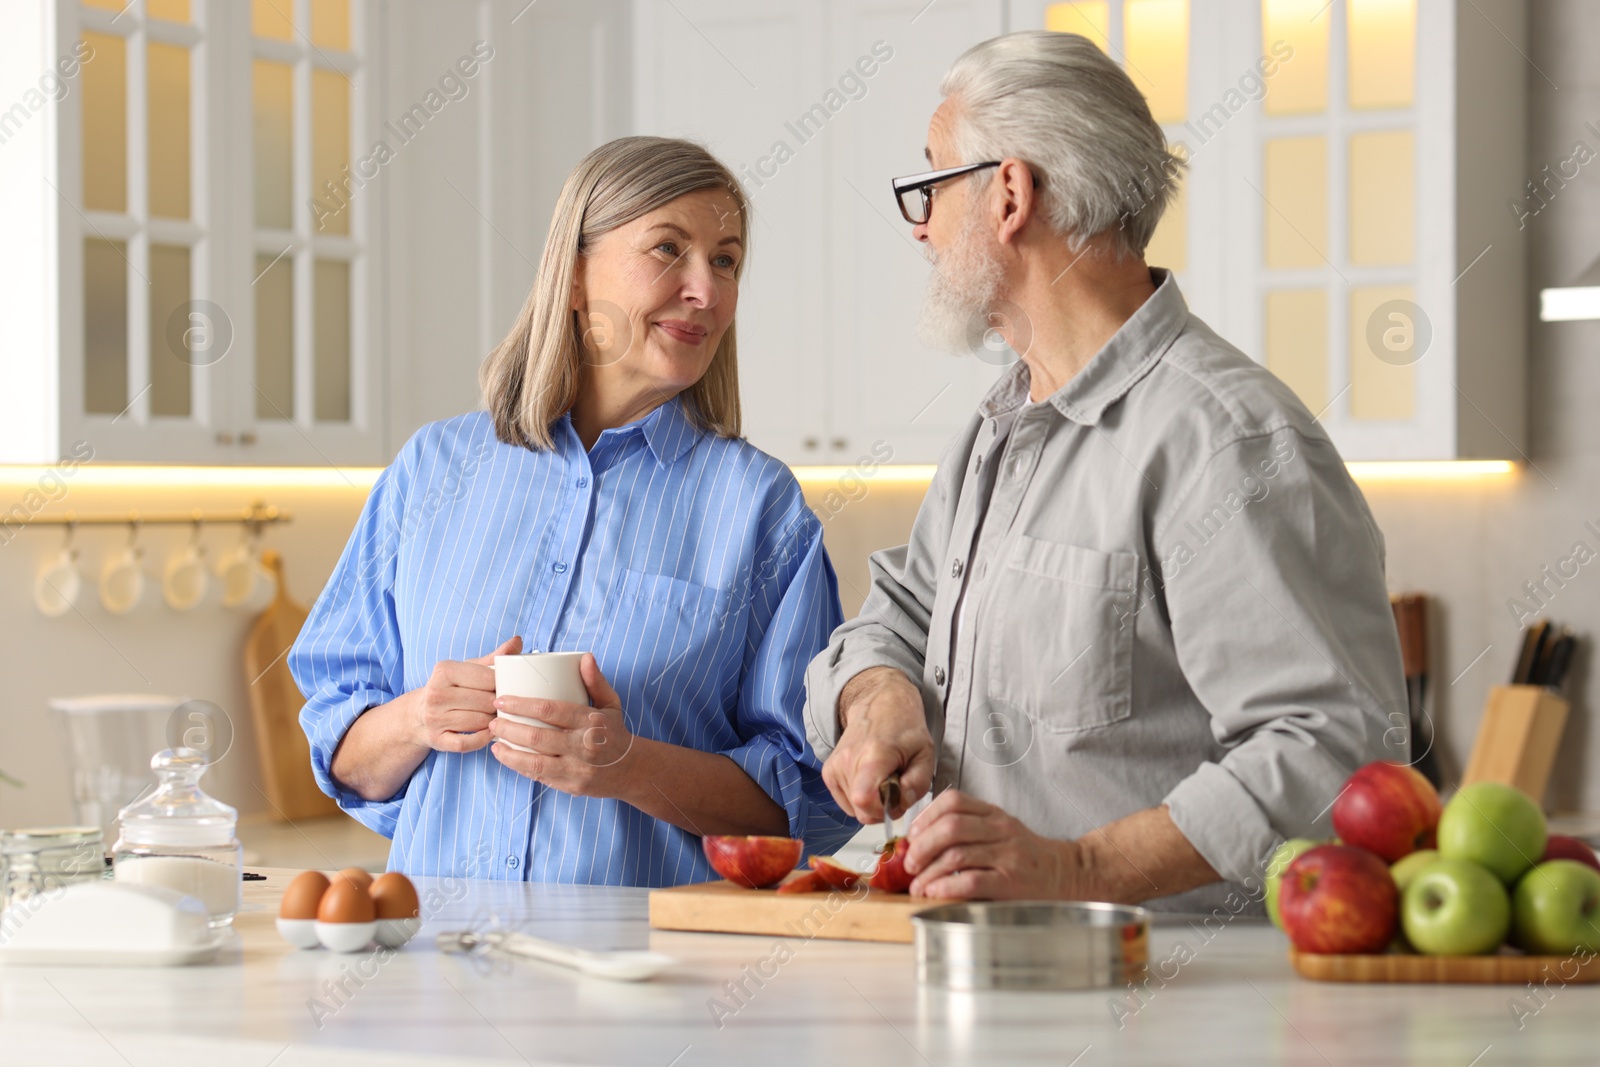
x=452 y=712
x=584 y=753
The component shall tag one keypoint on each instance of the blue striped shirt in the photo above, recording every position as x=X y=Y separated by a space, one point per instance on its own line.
x=687 y=563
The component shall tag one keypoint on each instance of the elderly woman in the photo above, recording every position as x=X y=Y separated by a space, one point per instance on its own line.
x=604 y=503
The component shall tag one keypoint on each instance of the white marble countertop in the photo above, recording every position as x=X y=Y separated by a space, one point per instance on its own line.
x=1234 y=1001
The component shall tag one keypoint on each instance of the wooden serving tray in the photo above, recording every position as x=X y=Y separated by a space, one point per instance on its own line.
x=1460 y=970
x=843 y=914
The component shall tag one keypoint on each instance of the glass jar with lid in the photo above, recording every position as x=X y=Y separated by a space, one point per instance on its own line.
x=181 y=838
x=35 y=862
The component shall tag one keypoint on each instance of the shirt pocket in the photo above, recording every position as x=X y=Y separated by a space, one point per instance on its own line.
x=1061 y=646
x=675 y=630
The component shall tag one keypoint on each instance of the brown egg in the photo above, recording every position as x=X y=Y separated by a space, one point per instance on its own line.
x=345 y=902
x=395 y=897
x=358 y=876
x=302 y=896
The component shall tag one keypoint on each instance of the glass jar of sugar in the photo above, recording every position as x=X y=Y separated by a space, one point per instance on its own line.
x=181 y=838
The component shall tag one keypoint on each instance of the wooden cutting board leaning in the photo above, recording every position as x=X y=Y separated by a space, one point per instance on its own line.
x=275 y=704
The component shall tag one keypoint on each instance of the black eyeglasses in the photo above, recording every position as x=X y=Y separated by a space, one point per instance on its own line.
x=914 y=194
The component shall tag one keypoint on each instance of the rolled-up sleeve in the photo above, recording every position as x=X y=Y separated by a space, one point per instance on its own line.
x=794 y=606
x=348 y=657
x=1298 y=566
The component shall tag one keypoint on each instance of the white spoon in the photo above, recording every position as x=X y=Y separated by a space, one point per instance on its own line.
x=618 y=966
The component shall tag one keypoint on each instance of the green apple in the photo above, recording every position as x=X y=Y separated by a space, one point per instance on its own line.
x=1556 y=909
x=1407 y=867
x=1493 y=825
x=1286 y=854
x=1455 y=908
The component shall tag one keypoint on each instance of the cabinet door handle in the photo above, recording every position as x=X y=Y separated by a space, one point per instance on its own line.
x=841 y=443
x=224 y=437
x=247 y=438
x=811 y=444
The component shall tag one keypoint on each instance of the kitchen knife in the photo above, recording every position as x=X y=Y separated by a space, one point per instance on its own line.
x=1541 y=665
x=1555 y=673
x=1529 y=659
x=889 y=797
x=1411 y=619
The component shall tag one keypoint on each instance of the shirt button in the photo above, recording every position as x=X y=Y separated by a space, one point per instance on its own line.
x=583 y=483
x=559 y=567
x=513 y=862
x=938 y=676
x=955 y=569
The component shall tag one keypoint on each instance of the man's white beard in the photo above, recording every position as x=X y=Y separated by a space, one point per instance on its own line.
x=962 y=290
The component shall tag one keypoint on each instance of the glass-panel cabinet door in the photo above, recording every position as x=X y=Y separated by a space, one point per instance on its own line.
x=139 y=337
x=308 y=396
x=215 y=231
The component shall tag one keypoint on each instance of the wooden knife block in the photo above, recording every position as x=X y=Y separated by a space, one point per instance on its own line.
x=1518 y=738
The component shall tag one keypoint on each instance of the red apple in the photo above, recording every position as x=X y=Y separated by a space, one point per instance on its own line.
x=891 y=875
x=1387 y=808
x=753 y=862
x=809 y=882
x=1561 y=847
x=836 y=874
x=1338 y=898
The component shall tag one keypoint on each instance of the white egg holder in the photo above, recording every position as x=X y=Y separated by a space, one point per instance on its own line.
x=348 y=937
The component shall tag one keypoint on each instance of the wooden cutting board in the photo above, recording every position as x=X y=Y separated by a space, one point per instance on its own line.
x=843 y=915
x=275 y=704
x=1455 y=970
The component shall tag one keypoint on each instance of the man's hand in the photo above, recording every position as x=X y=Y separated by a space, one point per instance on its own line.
x=965 y=849
x=452 y=712
x=584 y=752
x=885 y=730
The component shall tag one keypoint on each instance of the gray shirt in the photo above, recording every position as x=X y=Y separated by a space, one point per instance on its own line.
x=1174 y=594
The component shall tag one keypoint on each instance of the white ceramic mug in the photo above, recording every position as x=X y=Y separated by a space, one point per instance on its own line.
x=184 y=582
x=545 y=675
x=122 y=581
x=247 y=584
x=56 y=587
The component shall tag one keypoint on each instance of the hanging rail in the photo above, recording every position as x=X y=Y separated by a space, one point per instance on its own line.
x=257 y=514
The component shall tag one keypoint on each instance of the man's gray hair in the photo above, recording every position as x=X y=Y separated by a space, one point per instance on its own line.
x=1059 y=104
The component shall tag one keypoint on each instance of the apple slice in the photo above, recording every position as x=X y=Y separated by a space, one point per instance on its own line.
x=753 y=862
x=891 y=875
x=836 y=874
x=809 y=882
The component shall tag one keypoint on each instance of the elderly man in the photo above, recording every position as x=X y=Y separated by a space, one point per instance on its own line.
x=1140 y=634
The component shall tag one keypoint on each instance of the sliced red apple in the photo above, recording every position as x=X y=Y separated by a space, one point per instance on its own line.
x=809 y=882
x=753 y=862
x=891 y=875
x=836 y=874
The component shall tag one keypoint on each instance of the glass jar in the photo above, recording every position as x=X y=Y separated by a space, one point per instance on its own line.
x=181 y=838
x=35 y=862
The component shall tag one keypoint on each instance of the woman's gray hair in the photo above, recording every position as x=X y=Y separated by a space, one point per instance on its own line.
x=1059 y=104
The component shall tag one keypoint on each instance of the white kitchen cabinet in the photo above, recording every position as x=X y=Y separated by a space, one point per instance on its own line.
x=209 y=290
x=354 y=313
x=1350 y=203
x=816 y=105
x=470 y=197
x=887 y=387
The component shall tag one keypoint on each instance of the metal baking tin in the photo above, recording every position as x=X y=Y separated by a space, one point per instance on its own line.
x=1031 y=945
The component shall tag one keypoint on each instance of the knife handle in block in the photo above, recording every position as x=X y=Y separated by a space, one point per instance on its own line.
x=1411 y=619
